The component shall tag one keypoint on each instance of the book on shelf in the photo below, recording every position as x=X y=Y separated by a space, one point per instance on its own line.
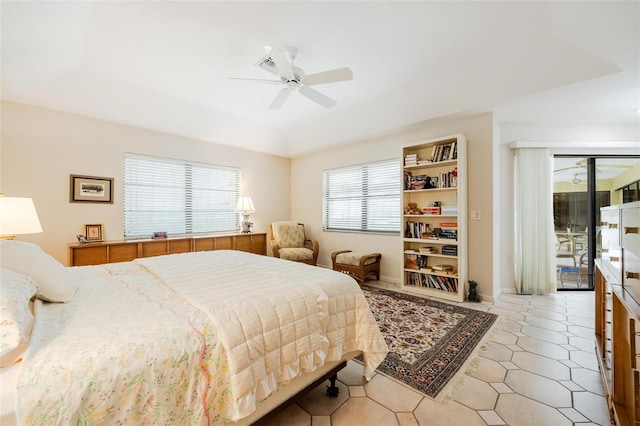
x=417 y=230
x=448 y=225
x=407 y=179
x=449 y=210
x=411 y=261
x=437 y=282
x=426 y=250
x=442 y=267
x=431 y=211
x=411 y=160
x=422 y=262
x=444 y=152
x=449 y=250
x=447 y=233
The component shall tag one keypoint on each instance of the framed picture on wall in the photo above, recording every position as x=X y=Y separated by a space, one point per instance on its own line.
x=93 y=232
x=91 y=189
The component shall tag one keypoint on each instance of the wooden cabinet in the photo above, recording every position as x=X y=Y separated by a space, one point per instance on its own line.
x=617 y=328
x=123 y=251
x=434 y=202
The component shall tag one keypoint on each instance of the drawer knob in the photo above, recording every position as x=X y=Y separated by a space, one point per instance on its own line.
x=613 y=225
x=630 y=229
x=614 y=259
x=632 y=275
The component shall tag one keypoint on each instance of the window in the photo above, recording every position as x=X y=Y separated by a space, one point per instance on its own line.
x=363 y=198
x=178 y=197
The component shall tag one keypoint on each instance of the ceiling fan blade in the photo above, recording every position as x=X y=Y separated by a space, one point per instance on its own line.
x=257 y=80
x=280 y=98
x=615 y=166
x=317 y=97
x=280 y=62
x=331 y=76
x=566 y=168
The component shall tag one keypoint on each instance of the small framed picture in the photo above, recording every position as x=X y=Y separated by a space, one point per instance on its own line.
x=93 y=232
x=91 y=189
x=159 y=235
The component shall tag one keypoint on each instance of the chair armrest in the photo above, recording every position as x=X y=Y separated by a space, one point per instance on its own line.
x=313 y=245
x=370 y=256
x=274 y=249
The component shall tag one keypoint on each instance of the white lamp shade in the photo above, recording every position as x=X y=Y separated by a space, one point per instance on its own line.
x=245 y=205
x=18 y=216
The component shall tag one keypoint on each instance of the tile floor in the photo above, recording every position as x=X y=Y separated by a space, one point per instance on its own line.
x=538 y=368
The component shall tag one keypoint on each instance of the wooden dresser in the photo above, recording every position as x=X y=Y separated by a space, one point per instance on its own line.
x=123 y=251
x=617 y=328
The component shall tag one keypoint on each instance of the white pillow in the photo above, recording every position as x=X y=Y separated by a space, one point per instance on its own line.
x=16 y=319
x=55 y=282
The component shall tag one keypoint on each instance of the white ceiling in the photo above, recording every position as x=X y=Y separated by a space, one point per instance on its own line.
x=166 y=65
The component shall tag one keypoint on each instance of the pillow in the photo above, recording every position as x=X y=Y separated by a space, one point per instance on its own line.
x=55 y=282
x=16 y=318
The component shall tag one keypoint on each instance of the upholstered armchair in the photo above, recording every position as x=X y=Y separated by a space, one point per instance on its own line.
x=289 y=241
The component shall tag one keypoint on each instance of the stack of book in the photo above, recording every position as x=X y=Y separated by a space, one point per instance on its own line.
x=443 y=267
x=411 y=160
x=427 y=250
x=450 y=250
x=449 y=210
x=431 y=211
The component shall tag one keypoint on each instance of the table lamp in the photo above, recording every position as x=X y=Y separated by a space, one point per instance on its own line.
x=18 y=216
x=245 y=206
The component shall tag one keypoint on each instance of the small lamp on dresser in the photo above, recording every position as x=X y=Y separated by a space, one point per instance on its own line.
x=245 y=207
x=18 y=216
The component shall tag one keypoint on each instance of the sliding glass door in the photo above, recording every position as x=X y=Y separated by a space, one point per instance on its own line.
x=582 y=185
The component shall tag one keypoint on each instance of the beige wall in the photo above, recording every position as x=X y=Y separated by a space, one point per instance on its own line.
x=40 y=148
x=306 y=194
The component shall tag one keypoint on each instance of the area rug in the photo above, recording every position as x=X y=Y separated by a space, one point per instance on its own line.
x=429 y=341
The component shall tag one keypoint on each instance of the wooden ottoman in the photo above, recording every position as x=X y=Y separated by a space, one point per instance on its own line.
x=356 y=264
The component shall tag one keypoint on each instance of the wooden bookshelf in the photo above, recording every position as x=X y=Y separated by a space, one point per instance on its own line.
x=434 y=180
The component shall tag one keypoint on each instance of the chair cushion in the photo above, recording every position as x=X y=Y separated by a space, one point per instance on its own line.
x=296 y=253
x=288 y=234
x=353 y=258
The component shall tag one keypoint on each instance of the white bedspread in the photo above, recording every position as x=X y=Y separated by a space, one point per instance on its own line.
x=275 y=319
x=194 y=338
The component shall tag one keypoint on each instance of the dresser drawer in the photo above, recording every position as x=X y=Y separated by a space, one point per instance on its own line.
x=630 y=230
x=631 y=274
x=612 y=263
x=610 y=235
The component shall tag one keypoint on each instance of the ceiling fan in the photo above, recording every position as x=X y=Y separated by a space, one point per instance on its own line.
x=292 y=77
x=582 y=164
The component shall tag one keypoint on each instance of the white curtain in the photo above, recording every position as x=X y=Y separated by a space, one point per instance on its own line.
x=534 y=239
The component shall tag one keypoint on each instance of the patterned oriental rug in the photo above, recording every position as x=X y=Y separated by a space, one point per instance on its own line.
x=428 y=341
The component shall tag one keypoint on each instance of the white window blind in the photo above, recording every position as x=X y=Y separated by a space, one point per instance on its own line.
x=178 y=197
x=364 y=197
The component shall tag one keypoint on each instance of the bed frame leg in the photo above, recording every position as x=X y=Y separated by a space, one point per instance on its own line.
x=332 y=389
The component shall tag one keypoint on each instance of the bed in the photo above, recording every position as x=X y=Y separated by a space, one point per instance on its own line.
x=195 y=338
